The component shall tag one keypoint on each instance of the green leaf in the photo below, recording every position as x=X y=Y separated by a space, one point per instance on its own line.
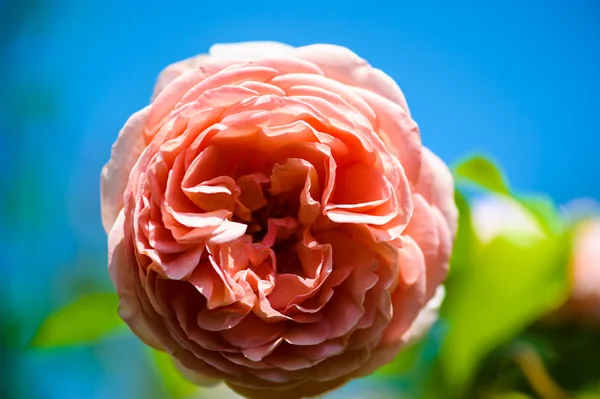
x=174 y=383
x=402 y=364
x=466 y=243
x=507 y=287
x=87 y=319
x=482 y=171
x=589 y=393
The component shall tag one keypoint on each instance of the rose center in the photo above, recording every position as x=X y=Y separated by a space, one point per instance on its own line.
x=276 y=208
x=283 y=237
x=288 y=261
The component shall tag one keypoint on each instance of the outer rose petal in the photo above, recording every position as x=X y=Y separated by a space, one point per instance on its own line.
x=175 y=70
x=115 y=174
x=343 y=65
x=339 y=63
x=196 y=378
x=421 y=326
x=398 y=131
x=410 y=319
x=433 y=225
x=121 y=272
x=427 y=317
x=307 y=389
x=437 y=187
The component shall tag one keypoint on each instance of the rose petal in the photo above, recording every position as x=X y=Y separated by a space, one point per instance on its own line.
x=175 y=70
x=115 y=174
x=437 y=187
x=123 y=273
x=344 y=66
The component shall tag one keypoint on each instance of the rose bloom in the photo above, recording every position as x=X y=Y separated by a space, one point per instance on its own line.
x=496 y=216
x=584 y=302
x=274 y=221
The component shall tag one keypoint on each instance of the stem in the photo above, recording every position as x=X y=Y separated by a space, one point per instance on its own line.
x=536 y=374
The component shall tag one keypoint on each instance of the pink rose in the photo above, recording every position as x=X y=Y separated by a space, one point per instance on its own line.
x=274 y=221
x=584 y=302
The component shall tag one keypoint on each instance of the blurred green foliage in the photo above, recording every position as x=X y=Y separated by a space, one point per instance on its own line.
x=491 y=341
x=87 y=319
x=482 y=171
x=173 y=382
x=510 y=286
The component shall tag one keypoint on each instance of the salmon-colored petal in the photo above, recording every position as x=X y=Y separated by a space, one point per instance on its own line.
x=175 y=70
x=204 y=167
x=387 y=350
x=308 y=334
x=205 y=378
x=226 y=78
x=123 y=270
x=251 y=191
x=437 y=187
x=175 y=266
x=347 y=307
x=409 y=296
x=242 y=360
x=374 y=190
x=232 y=255
x=289 y=363
x=586 y=263
x=295 y=175
x=307 y=389
x=355 y=133
x=382 y=208
x=284 y=65
x=319 y=156
x=252 y=332
x=292 y=292
x=279 y=229
x=214 y=285
x=343 y=65
x=226 y=232
x=187 y=320
x=115 y=174
x=170 y=97
x=329 y=89
x=398 y=131
x=583 y=303
x=183 y=217
x=224 y=318
x=433 y=237
x=287 y=288
x=259 y=353
x=263 y=88
x=214 y=194
x=426 y=318
x=189 y=125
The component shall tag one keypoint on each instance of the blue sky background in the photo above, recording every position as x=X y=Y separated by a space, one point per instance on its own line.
x=517 y=79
